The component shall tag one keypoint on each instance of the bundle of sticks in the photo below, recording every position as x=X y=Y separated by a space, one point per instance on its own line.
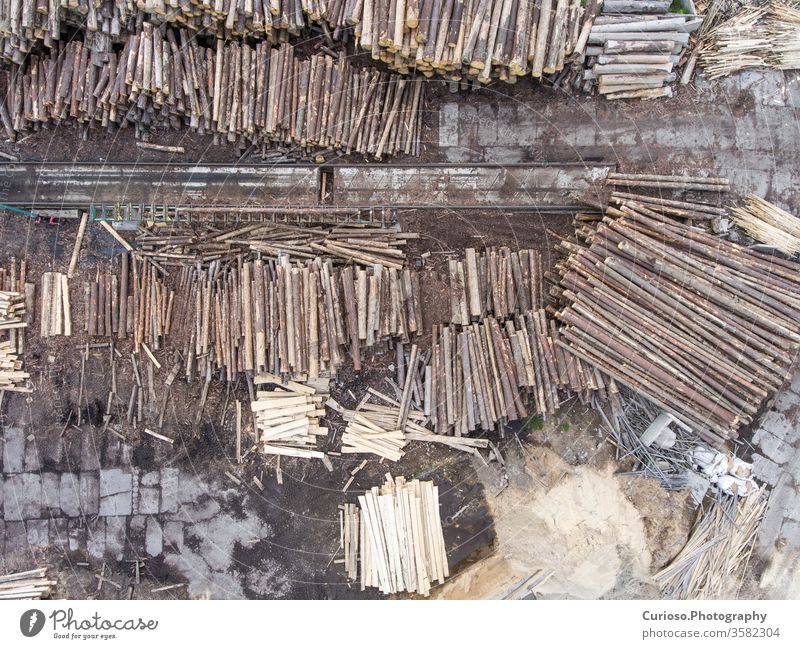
x=31 y=584
x=755 y=37
x=136 y=303
x=500 y=282
x=704 y=328
x=55 y=314
x=719 y=546
x=634 y=48
x=393 y=539
x=172 y=245
x=256 y=94
x=769 y=224
x=384 y=429
x=291 y=319
x=287 y=417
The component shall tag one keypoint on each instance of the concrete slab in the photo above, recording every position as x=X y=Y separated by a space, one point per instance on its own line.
x=173 y=536
x=766 y=470
x=51 y=493
x=115 y=492
x=13 y=450
x=169 y=489
x=38 y=533
x=149 y=500
x=70 y=494
x=115 y=536
x=154 y=537
x=89 y=493
x=23 y=497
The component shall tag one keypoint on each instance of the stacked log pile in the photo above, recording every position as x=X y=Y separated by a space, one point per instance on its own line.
x=287 y=417
x=502 y=282
x=26 y=23
x=766 y=36
x=650 y=191
x=634 y=47
x=236 y=92
x=291 y=318
x=171 y=245
x=393 y=539
x=493 y=372
x=704 y=328
x=475 y=39
x=136 y=302
x=769 y=224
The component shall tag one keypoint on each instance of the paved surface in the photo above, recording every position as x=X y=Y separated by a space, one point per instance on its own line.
x=522 y=185
x=746 y=127
x=190 y=521
x=776 y=461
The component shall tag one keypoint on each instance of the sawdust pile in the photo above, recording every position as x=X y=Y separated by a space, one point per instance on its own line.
x=583 y=524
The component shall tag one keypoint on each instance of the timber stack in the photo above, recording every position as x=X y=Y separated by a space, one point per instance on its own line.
x=30 y=584
x=703 y=327
x=634 y=48
x=302 y=318
x=135 y=302
x=393 y=539
x=481 y=40
x=287 y=416
x=240 y=93
x=55 y=312
x=384 y=428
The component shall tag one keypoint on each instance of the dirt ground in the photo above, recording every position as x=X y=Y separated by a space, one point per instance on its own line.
x=470 y=505
x=555 y=504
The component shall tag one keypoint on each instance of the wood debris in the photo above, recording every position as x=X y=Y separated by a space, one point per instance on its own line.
x=393 y=539
x=175 y=245
x=766 y=36
x=719 y=545
x=769 y=224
